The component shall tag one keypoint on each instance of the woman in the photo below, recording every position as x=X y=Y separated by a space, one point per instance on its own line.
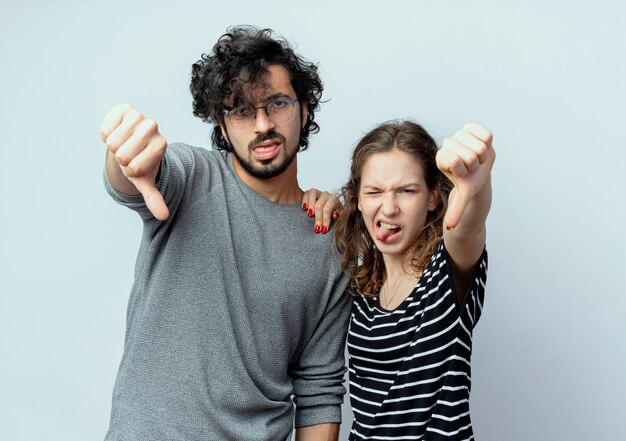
x=413 y=236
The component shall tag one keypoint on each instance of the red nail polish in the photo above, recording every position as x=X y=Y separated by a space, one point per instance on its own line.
x=305 y=206
x=310 y=212
x=317 y=229
x=324 y=230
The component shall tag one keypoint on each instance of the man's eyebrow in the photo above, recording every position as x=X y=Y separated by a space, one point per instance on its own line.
x=276 y=95
x=243 y=102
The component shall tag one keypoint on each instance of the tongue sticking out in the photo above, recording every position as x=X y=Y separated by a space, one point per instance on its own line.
x=384 y=232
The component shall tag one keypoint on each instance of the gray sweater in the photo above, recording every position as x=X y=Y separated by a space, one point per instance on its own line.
x=237 y=306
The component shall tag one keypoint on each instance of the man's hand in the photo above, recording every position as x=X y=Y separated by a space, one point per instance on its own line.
x=324 y=206
x=135 y=149
x=466 y=159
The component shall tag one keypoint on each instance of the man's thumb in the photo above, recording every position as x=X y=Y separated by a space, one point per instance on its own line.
x=152 y=197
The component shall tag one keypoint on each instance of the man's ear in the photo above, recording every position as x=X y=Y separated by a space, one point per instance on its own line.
x=224 y=133
x=305 y=114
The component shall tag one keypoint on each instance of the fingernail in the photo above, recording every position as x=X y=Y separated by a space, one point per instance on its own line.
x=324 y=230
x=310 y=212
x=305 y=206
x=317 y=229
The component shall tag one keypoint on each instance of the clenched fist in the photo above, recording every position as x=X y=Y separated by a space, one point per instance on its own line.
x=135 y=149
x=466 y=159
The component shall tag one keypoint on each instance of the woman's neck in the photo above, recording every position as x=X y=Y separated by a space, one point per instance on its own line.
x=397 y=266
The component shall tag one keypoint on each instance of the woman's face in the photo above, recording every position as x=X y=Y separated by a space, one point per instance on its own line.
x=394 y=200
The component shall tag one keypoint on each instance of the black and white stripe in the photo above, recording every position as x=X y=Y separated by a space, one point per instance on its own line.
x=410 y=372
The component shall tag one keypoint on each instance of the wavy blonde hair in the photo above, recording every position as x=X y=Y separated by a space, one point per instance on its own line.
x=359 y=255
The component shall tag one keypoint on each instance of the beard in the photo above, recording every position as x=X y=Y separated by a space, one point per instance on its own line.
x=269 y=168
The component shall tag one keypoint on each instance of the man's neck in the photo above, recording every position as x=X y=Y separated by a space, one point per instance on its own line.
x=282 y=189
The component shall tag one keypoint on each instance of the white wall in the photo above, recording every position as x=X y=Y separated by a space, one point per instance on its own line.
x=547 y=77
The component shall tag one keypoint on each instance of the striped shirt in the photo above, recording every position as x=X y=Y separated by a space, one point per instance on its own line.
x=410 y=372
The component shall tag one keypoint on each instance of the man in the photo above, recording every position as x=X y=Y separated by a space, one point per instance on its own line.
x=237 y=306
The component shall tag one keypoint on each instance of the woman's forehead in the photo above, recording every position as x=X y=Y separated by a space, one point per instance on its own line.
x=394 y=166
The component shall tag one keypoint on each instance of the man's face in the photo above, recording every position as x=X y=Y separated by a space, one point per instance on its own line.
x=268 y=146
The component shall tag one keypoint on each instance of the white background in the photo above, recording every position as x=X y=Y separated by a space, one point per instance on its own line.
x=548 y=77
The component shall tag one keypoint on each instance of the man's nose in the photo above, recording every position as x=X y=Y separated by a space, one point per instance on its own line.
x=262 y=122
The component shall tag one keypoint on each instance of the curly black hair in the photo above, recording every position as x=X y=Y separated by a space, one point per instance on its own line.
x=242 y=57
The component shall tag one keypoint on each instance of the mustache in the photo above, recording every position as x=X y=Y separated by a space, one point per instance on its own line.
x=272 y=134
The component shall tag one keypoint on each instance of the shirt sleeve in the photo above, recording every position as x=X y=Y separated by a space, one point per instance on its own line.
x=473 y=299
x=176 y=167
x=319 y=374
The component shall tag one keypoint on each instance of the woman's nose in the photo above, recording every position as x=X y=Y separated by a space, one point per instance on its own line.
x=390 y=204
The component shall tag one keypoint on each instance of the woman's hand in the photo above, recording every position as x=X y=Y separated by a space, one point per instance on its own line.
x=324 y=206
x=466 y=159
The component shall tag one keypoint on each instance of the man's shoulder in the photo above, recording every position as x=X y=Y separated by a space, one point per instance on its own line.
x=325 y=248
x=196 y=160
x=182 y=149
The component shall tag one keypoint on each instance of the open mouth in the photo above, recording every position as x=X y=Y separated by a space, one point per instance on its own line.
x=386 y=232
x=266 y=150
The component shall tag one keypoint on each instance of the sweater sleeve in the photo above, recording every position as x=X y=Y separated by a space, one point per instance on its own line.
x=319 y=374
x=177 y=165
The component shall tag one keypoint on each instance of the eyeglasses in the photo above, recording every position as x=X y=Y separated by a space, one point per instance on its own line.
x=279 y=110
